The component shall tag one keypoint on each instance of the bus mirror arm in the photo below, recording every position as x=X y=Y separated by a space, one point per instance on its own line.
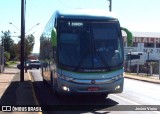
x=129 y=36
x=54 y=37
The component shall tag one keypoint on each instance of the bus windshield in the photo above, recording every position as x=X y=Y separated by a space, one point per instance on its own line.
x=90 y=45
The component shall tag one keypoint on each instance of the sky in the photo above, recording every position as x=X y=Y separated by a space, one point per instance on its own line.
x=136 y=15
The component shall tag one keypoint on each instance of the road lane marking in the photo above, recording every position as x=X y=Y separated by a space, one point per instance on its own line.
x=157 y=112
x=125 y=99
x=29 y=76
x=34 y=94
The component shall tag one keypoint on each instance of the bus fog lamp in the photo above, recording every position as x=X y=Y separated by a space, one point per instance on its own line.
x=65 y=88
x=117 y=87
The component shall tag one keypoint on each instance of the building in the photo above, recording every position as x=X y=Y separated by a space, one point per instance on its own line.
x=148 y=45
x=33 y=56
x=145 y=42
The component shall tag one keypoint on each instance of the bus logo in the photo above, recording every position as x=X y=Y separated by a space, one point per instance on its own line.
x=93 y=82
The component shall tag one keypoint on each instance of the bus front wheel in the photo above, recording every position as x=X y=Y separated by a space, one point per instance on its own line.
x=54 y=86
x=55 y=92
x=103 y=96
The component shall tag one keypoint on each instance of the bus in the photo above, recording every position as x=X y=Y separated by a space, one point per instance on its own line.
x=83 y=53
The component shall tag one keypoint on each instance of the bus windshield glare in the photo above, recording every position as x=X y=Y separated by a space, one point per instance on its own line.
x=90 y=45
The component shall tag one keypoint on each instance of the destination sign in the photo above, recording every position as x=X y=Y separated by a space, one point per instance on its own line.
x=75 y=24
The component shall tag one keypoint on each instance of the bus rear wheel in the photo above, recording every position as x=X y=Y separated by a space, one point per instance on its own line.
x=103 y=96
x=55 y=92
x=54 y=86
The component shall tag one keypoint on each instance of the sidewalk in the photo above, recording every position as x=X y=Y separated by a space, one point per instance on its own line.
x=14 y=92
x=151 y=79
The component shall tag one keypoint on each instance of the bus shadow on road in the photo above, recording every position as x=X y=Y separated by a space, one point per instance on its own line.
x=86 y=102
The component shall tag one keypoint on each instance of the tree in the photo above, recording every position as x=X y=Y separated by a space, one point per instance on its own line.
x=13 y=48
x=15 y=52
x=6 y=40
x=46 y=49
x=7 y=43
x=29 y=42
x=6 y=55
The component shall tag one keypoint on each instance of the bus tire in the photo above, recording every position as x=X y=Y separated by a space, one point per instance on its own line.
x=51 y=78
x=43 y=80
x=54 y=85
x=55 y=92
x=104 y=96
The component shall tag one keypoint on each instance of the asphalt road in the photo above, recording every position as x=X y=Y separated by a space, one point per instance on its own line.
x=135 y=95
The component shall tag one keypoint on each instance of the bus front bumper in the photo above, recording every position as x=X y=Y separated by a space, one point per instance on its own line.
x=65 y=87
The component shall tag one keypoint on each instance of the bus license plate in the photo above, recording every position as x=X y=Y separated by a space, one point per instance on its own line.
x=93 y=88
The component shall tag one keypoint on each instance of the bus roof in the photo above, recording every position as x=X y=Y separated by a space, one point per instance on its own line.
x=85 y=14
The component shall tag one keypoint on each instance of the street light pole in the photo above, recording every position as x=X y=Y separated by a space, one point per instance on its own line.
x=23 y=8
x=159 y=67
x=110 y=5
x=32 y=27
x=148 y=51
x=14 y=26
x=20 y=31
x=22 y=39
x=130 y=59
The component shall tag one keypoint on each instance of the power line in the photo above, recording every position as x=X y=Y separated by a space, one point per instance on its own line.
x=60 y=2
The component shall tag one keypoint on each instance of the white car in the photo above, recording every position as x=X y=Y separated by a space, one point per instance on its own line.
x=33 y=64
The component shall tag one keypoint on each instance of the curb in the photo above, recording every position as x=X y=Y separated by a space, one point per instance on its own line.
x=34 y=94
x=140 y=78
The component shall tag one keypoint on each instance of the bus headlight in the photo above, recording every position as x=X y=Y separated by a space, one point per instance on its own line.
x=117 y=77
x=65 y=77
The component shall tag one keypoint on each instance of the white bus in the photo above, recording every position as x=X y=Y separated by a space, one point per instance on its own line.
x=85 y=51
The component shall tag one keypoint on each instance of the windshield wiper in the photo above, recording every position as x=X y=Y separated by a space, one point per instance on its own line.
x=82 y=60
x=103 y=61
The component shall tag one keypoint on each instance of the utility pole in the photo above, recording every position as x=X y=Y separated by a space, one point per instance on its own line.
x=148 y=51
x=22 y=39
x=23 y=59
x=110 y=5
x=159 y=67
x=130 y=53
